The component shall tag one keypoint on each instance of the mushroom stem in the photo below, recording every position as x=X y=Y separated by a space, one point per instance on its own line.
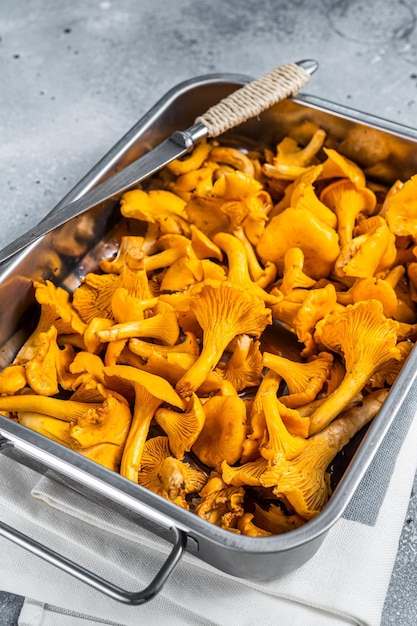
x=144 y=410
x=67 y=410
x=340 y=431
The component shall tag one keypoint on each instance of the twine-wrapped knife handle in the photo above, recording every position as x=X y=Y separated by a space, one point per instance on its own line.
x=256 y=97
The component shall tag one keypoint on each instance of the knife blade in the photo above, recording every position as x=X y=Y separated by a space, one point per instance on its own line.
x=176 y=146
x=246 y=102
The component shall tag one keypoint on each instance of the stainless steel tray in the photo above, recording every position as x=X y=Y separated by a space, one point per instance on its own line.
x=52 y=258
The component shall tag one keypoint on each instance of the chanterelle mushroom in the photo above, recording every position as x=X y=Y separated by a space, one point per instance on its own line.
x=244 y=367
x=93 y=298
x=300 y=228
x=302 y=481
x=56 y=310
x=338 y=166
x=238 y=273
x=150 y=392
x=234 y=157
x=401 y=209
x=49 y=367
x=303 y=316
x=203 y=246
x=275 y=520
x=347 y=201
x=144 y=349
x=193 y=161
x=169 y=477
x=90 y=423
x=304 y=197
x=371 y=288
x=115 y=264
x=223 y=312
x=293 y=276
x=223 y=432
x=387 y=375
x=372 y=250
x=262 y=276
x=12 y=379
x=182 y=428
x=221 y=504
x=247 y=526
x=304 y=380
x=367 y=340
x=106 y=454
x=246 y=474
x=291 y=160
x=280 y=441
x=157 y=206
x=163 y=325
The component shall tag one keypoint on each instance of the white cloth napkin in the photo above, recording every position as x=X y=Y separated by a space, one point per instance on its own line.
x=344 y=583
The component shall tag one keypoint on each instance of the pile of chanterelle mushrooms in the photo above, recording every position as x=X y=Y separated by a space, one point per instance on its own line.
x=157 y=365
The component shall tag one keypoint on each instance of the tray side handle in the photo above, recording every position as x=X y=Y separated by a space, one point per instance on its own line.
x=95 y=581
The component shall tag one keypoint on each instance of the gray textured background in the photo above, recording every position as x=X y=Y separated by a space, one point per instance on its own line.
x=75 y=76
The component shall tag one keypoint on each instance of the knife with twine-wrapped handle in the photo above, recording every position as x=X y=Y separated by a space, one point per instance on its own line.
x=241 y=105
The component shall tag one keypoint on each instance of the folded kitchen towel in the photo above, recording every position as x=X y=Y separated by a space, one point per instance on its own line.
x=344 y=583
